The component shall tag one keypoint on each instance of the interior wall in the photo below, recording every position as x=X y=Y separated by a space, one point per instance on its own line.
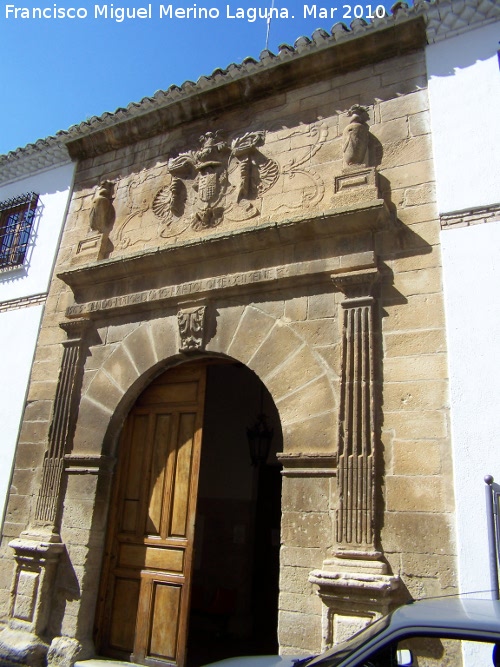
x=226 y=580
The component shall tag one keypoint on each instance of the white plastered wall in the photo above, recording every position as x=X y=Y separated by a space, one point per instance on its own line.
x=19 y=326
x=464 y=90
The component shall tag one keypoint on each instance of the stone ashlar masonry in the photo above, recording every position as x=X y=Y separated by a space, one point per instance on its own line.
x=269 y=267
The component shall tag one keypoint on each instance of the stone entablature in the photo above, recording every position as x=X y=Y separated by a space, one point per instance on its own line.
x=117 y=282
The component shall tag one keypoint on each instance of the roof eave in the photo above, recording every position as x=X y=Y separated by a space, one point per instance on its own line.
x=251 y=84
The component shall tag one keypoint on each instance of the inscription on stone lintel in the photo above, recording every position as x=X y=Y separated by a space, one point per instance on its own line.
x=235 y=280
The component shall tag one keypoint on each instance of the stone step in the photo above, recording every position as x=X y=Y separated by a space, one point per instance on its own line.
x=103 y=662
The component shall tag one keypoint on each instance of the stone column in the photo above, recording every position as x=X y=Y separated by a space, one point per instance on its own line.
x=357 y=452
x=354 y=584
x=47 y=507
x=38 y=549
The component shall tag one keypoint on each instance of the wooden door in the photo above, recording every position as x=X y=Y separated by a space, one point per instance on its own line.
x=144 y=601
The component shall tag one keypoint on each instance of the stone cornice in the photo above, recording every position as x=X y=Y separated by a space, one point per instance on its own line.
x=131 y=281
x=308 y=60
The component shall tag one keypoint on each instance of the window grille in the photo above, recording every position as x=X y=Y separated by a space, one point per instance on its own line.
x=16 y=221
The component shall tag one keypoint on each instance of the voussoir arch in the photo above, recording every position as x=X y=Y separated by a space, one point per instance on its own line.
x=292 y=372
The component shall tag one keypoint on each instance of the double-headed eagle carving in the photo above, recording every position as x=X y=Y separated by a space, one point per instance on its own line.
x=216 y=181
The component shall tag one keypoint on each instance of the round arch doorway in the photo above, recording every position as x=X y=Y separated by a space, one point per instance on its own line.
x=163 y=601
x=234 y=607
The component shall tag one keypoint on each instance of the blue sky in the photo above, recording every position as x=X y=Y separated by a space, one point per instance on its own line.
x=56 y=72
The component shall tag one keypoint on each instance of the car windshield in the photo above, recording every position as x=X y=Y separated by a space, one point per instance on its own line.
x=340 y=651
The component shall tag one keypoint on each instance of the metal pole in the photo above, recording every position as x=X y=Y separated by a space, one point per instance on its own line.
x=491 y=537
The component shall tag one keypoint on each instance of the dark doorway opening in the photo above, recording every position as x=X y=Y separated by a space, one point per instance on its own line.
x=234 y=595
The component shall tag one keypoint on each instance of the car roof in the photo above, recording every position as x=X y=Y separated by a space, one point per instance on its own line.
x=469 y=614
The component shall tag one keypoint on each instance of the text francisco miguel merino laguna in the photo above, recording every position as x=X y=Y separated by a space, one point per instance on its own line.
x=250 y=14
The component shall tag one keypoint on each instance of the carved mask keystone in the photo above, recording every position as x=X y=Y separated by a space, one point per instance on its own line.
x=191 y=328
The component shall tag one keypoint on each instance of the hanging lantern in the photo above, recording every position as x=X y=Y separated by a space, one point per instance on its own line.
x=259 y=436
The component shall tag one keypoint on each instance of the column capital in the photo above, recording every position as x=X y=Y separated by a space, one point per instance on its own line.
x=75 y=329
x=357 y=284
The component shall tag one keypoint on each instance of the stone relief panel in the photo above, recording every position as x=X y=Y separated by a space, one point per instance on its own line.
x=229 y=181
x=199 y=189
x=302 y=186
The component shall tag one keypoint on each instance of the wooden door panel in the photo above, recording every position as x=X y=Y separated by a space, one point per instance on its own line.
x=182 y=481
x=135 y=473
x=125 y=605
x=171 y=393
x=165 y=620
x=146 y=580
x=151 y=558
x=160 y=455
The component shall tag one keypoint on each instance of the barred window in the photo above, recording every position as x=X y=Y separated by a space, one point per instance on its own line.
x=16 y=220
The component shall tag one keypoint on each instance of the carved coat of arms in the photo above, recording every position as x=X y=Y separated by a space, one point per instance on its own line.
x=217 y=181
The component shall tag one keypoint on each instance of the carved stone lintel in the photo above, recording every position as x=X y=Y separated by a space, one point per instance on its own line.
x=191 y=328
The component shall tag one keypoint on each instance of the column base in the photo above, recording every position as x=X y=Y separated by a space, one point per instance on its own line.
x=18 y=647
x=65 y=651
x=355 y=589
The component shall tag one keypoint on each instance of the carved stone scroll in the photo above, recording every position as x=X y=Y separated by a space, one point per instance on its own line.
x=60 y=429
x=357 y=451
x=191 y=328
